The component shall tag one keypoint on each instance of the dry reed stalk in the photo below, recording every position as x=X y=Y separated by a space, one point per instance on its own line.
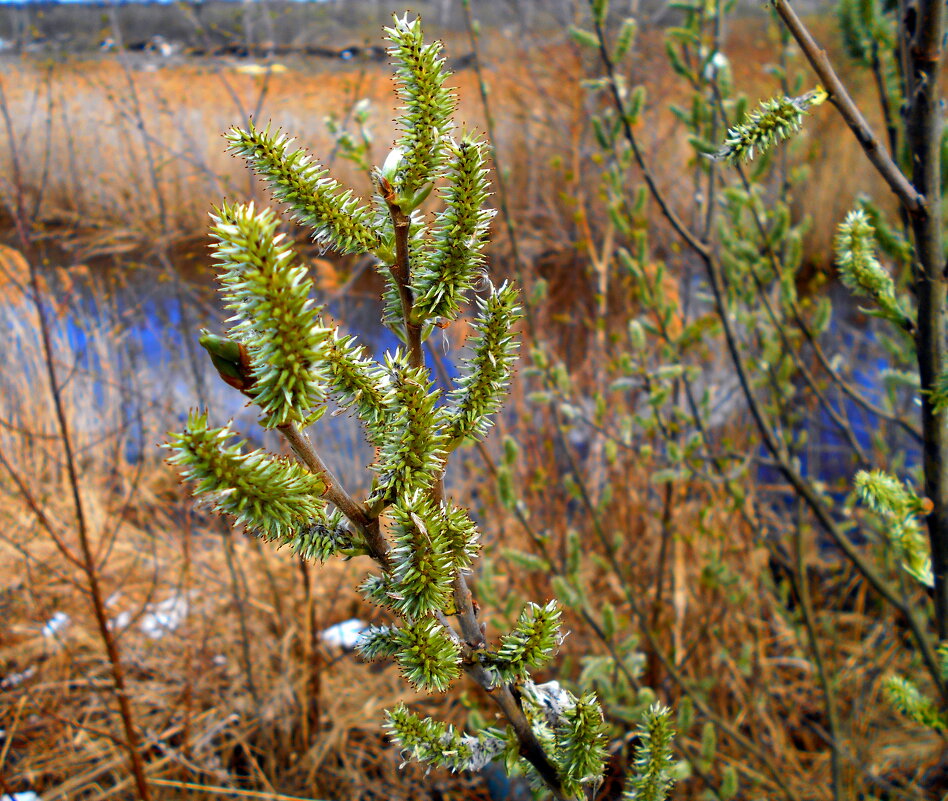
x=161 y=674
x=179 y=696
x=113 y=116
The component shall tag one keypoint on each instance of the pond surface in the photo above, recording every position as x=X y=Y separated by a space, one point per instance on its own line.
x=127 y=355
x=126 y=344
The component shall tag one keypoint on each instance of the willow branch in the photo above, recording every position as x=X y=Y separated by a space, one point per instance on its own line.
x=336 y=494
x=805 y=489
x=874 y=149
x=401 y=273
x=667 y=211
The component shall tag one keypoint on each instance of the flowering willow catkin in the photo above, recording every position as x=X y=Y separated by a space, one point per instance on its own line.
x=281 y=353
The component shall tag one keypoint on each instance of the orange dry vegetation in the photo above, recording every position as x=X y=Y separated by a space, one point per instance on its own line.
x=130 y=155
x=125 y=163
x=141 y=150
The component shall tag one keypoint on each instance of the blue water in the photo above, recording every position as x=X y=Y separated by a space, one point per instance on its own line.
x=828 y=456
x=152 y=348
x=137 y=333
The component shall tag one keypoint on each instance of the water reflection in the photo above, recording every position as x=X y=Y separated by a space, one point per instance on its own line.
x=125 y=346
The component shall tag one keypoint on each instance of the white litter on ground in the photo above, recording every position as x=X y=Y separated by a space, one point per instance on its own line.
x=27 y=796
x=344 y=635
x=17 y=678
x=55 y=624
x=163 y=617
x=120 y=621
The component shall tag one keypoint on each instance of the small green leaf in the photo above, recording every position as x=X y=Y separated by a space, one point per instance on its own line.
x=625 y=39
x=584 y=38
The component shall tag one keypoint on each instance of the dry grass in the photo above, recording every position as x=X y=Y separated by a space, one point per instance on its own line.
x=199 y=720
x=121 y=166
x=236 y=688
x=139 y=150
x=120 y=154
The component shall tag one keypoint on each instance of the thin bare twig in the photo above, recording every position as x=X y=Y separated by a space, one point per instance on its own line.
x=337 y=495
x=88 y=558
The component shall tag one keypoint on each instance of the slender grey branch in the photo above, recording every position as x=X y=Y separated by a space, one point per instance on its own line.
x=875 y=150
x=668 y=212
x=923 y=135
x=336 y=494
x=801 y=582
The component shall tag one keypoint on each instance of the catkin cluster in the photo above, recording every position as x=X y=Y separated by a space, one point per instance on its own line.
x=280 y=351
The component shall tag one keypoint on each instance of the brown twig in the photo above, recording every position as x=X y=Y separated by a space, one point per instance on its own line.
x=87 y=559
x=401 y=273
x=337 y=495
x=312 y=663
